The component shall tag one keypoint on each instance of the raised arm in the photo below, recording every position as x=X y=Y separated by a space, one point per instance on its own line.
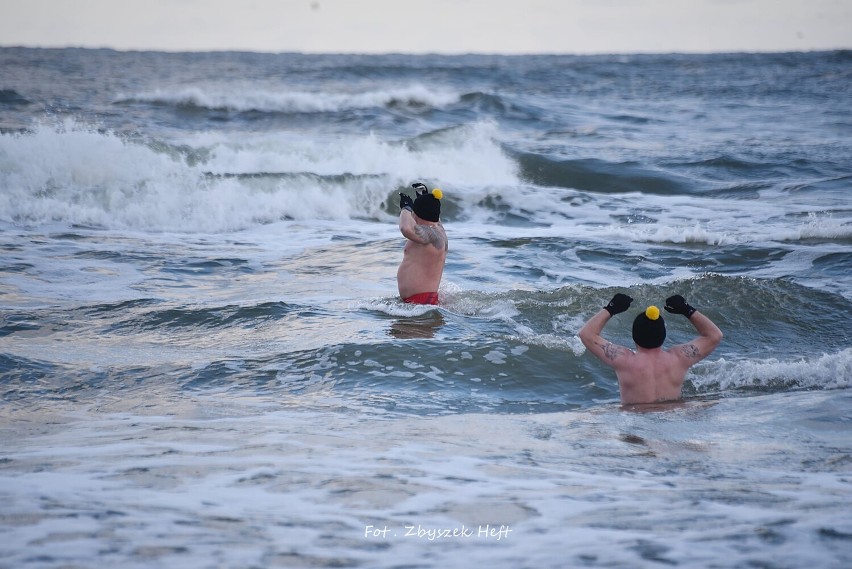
x=709 y=335
x=590 y=334
x=406 y=216
x=407 y=225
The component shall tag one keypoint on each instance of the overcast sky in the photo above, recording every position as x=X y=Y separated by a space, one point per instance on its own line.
x=440 y=26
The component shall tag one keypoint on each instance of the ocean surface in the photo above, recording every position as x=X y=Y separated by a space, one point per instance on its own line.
x=204 y=362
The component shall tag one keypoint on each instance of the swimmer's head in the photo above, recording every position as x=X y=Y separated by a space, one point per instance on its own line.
x=649 y=329
x=427 y=205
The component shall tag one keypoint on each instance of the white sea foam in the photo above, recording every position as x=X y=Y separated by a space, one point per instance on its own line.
x=78 y=175
x=824 y=371
x=821 y=226
x=394 y=307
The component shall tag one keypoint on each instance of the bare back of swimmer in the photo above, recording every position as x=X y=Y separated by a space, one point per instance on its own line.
x=650 y=374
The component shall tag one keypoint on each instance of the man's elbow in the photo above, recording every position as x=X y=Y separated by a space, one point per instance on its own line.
x=716 y=337
x=585 y=336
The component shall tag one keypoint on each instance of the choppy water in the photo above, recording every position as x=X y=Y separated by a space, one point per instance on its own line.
x=203 y=362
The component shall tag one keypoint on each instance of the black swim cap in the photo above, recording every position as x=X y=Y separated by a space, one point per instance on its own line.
x=427 y=205
x=649 y=329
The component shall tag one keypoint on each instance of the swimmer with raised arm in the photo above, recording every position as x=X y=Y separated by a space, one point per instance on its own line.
x=650 y=374
x=425 y=253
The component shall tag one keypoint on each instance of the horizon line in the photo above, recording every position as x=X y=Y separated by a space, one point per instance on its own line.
x=426 y=53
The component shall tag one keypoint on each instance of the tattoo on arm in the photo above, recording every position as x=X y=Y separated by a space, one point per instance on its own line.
x=611 y=351
x=690 y=351
x=431 y=235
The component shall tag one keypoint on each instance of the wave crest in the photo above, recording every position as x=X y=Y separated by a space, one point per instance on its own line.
x=826 y=371
x=246 y=99
x=79 y=175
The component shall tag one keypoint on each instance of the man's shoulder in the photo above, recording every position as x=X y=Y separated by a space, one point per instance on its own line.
x=619 y=355
x=688 y=352
x=431 y=235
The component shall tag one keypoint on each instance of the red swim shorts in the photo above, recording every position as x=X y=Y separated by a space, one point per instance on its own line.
x=423 y=298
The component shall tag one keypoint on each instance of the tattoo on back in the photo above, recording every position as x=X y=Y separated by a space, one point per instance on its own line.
x=690 y=351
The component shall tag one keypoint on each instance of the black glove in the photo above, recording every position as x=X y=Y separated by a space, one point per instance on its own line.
x=405 y=202
x=618 y=304
x=677 y=305
x=420 y=188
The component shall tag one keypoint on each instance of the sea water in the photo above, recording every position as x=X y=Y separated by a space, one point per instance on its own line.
x=204 y=361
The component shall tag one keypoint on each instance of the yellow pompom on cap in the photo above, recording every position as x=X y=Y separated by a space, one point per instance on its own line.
x=652 y=312
x=437 y=193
